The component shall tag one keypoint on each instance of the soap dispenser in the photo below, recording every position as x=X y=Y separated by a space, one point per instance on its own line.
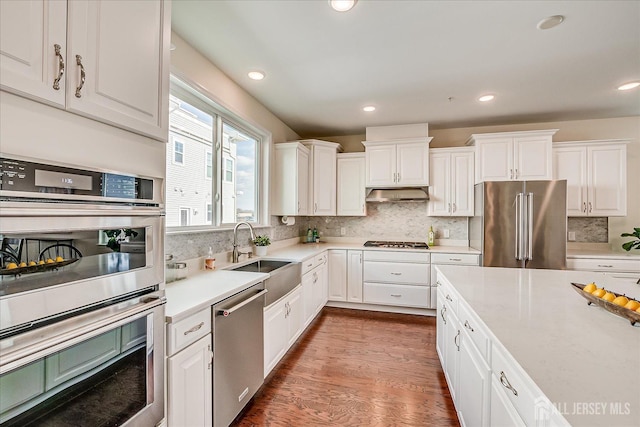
x=431 y=238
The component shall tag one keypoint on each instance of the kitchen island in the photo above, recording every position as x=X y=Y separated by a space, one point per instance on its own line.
x=576 y=364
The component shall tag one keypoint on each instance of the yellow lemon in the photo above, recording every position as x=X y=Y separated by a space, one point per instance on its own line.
x=59 y=259
x=590 y=287
x=638 y=310
x=609 y=296
x=621 y=301
x=50 y=261
x=23 y=264
x=632 y=304
x=41 y=262
x=32 y=263
x=599 y=292
x=12 y=265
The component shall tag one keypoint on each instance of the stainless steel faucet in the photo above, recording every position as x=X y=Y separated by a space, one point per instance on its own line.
x=236 y=253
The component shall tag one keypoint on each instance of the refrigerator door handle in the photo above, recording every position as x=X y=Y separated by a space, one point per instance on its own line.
x=519 y=209
x=529 y=225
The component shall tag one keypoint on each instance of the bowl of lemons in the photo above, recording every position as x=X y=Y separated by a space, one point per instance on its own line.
x=618 y=304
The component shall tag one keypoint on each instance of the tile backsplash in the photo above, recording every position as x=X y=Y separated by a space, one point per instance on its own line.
x=589 y=229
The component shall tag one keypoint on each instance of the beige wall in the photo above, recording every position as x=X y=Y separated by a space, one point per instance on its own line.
x=186 y=62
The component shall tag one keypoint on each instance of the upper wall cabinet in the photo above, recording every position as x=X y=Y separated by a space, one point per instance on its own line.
x=322 y=170
x=290 y=180
x=397 y=163
x=350 y=186
x=596 y=174
x=451 y=182
x=105 y=60
x=513 y=156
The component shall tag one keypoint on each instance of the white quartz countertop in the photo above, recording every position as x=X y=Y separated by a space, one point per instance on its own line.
x=575 y=353
x=603 y=254
x=188 y=296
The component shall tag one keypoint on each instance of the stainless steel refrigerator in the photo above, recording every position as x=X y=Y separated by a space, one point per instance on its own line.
x=520 y=224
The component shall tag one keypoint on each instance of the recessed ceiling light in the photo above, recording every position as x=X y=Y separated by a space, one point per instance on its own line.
x=342 y=5
x=256 y=75
x=369 y=108
x=629 y=86
x=550 y=22
x=486 y=98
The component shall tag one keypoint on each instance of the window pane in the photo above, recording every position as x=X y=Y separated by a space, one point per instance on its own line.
x=239 y=155
x=209 y=165
x=188 y=189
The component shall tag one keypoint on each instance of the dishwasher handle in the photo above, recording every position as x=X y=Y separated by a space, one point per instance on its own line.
x=226 y=312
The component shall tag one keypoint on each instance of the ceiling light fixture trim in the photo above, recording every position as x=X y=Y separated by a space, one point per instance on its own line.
x=550 y=22
x=256 y=75
x=486 y=98
x=629 y=86
x=342 y=5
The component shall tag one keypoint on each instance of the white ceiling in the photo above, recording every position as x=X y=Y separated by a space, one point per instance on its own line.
x=408 y=58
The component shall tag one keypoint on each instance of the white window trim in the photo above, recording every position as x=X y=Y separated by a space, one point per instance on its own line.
x=173 y=151
x=208 y=153
x=263 y=169
x=188 y=210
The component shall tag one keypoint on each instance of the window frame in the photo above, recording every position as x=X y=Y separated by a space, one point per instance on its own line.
x=176 y=141
x=199 y=97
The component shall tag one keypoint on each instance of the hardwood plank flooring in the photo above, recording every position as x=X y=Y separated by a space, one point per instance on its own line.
x=357 y=368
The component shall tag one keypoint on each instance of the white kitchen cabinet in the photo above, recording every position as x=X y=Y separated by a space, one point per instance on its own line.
x=337 y=275
x=354 y=276
x=351 y=185
x=508 y=156
x=452 y=351
x=596 y=174
x=502 y=412
x=625 y=268
x=321 y=289
x=441 y=258
x=115 y=57
x=282 y=326
x=451 y=181
x=397 y=163
x=290 y=180
x=190 y=385
x=315 y=286
x=322 y=185
x=474 y=381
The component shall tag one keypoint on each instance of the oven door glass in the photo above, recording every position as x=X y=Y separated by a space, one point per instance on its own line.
x=105 y=379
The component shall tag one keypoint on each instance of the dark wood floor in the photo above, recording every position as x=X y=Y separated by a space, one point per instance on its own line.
x=357 y=368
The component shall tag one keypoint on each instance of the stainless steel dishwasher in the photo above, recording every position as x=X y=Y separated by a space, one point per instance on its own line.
x=238 y=352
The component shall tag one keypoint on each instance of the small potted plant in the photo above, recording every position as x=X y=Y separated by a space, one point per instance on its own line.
x=633 y=243
x=261 y=242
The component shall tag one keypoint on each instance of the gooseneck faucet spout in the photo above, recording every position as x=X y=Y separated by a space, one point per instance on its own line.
x=236 y=253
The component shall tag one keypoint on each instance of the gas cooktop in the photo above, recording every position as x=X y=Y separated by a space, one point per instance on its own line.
x=402 y=245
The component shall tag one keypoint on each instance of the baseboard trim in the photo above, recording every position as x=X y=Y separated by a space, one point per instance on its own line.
x=384 y=308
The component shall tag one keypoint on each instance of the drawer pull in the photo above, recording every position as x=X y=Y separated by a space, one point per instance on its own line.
x=455 y=340
x=468 y=326
x=444 y=309
x=605 y=266
x=310 y=265
x=396 y=295
x=195 y=328
x=455 y=259
x=397 y=274
x=448 y=297
x=505 y=382
x=438 y=283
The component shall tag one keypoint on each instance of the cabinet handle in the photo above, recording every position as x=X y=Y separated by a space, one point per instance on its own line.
x=396 y=295
x=438 y=283
x=56 y=82
x=590 y=207
x=82 y=76
x=399 y=177
x=309 y=265
x=195 y=328
x=442 y=312
x=315 y=209
x=454 y=207
x=455 y=340
x=605 y=266
x=510 y=173
x=396 y=274
x=298 y=206
x=516 y=173
x=210 y=365
x=449 y=298
x=455 y=259
x=505 y=382
x=584 y=207
x=467 y=325
x=449 y=208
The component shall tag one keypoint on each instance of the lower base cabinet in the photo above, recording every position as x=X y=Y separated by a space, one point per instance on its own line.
x=282 y=326
x=502 y=411
x=190 y=385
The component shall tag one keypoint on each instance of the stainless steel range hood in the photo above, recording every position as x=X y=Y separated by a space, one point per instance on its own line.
x=413 y=194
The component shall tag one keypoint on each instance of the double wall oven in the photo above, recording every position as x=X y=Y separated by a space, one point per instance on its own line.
x=81 y=296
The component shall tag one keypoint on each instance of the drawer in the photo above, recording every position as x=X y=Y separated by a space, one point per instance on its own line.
x=474 y=329
x=397 y=256
x=399 y=295
x=592 y=264
x=313 y=262
x=188 y=331
x=449 y=296
x=517 y=387
x=396 y=272
x=461 y=259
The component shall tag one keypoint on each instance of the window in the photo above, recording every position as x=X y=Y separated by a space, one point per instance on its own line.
x=223 y=166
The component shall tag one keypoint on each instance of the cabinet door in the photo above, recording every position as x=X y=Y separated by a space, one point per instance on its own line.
x=351 y=186
x=533 y=158
x=474 y=380
x=190 y=385
x=502 y=412
x=302 y=190
x=607 y=180
x=570 y=163
x=494 y=160
x=452 y=352
x=123 y=48
x=413 y=163
x=439 y=184
x=29 y=31
x=461 y=184
x=337 y=275
x=324 y=181
x=354 y=276
x=308 y=284
x=275 y=335
x=441 y=328
x=294 y=316
x=381 y=165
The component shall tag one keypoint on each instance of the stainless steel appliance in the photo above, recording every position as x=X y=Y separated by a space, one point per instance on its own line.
x=520 y=224
x=284 y=276
x=238 y=352
x=82 y=320
x=401 y=245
